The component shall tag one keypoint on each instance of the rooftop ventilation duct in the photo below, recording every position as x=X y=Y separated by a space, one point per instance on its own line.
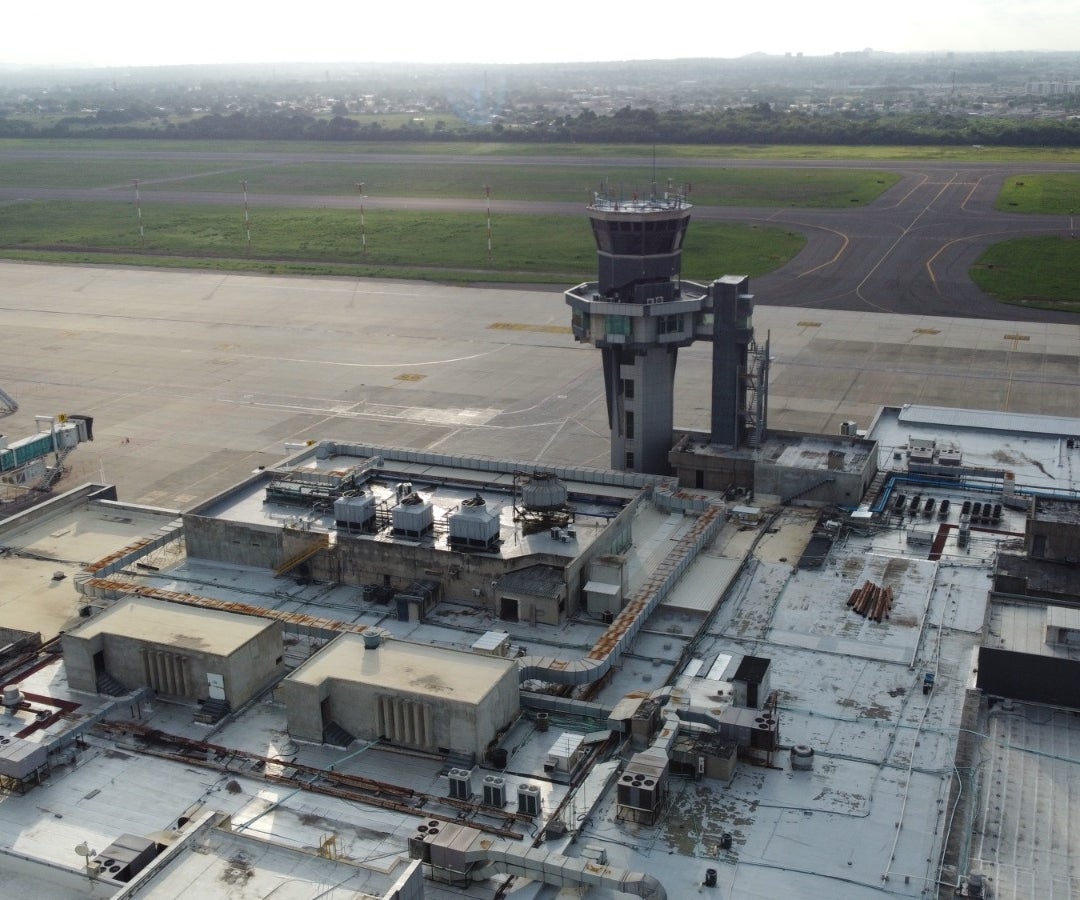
x=463 y=852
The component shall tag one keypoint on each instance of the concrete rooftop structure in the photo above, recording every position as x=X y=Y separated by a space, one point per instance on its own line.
x=467 y=677
x=209 y=631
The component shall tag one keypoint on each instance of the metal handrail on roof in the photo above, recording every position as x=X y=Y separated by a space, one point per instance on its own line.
x=617 y=638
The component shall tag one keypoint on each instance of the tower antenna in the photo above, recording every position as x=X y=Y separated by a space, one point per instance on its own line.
x=138 y=212
x=487 y=194
x=247 y=217
x=363 y=228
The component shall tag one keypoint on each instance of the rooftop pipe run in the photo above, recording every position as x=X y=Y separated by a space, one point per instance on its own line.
x=962 y=484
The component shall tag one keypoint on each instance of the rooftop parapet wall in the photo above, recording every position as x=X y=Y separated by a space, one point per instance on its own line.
x=259 y=546
x=58 y=505
x=487 y=464
x=263 y=476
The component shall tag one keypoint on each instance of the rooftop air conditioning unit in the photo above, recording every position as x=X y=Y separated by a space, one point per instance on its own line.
x=529 y=800
x=494 y=791
x=460 y=784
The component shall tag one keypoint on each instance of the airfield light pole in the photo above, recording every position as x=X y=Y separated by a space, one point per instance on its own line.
x=363 y=230
x=138 y=212
x=247 y=218
x=487 y=194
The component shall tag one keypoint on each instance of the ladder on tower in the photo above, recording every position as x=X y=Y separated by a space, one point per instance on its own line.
x=755 y=400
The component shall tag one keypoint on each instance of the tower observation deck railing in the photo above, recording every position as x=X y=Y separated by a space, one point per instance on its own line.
x=664 y=203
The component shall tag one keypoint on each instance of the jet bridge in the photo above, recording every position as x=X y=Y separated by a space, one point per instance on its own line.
x=25 y=461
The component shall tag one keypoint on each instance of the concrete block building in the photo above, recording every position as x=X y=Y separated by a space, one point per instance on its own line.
x=416 y=695
x=183 y=653
x=1053 y=530
x=526 y=549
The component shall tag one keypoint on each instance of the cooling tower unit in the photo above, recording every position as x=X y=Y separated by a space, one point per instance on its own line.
x=474 y=526
x=413 y=516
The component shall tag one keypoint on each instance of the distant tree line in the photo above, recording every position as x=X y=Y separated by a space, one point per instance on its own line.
x=759 y=124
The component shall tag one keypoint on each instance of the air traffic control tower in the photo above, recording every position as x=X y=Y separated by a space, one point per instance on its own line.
x=640 y=312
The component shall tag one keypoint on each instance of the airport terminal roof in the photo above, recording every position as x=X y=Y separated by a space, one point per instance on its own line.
x=805 y=451
x=1033 y=628
x=445 y=487
x=1041 y=577
x=220 y=859
x=45 y=551
x=795 y=450
x=1060 y=511
x=988 y=420
x=1036 y=449
x=871 y=816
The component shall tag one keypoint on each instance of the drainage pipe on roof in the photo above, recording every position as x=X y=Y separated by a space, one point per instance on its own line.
x=618 y=637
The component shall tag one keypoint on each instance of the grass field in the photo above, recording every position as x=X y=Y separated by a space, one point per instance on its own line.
x=1035 y=271
x=459 y=179
x=713 y=187
x=1056 y=193
x=100 y=173
x=408 y=244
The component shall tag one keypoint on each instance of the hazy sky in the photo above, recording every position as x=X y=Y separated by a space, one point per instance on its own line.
x=124 y=32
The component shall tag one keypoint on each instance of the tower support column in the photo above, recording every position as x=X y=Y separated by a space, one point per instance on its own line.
x=640 y=390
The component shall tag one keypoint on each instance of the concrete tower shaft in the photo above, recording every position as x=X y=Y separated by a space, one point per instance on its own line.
x=733 y=333
x=640 y=311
